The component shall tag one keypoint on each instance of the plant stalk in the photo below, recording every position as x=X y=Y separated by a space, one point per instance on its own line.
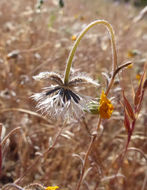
x=85 y=30
x=85 y=161
x=114 y=67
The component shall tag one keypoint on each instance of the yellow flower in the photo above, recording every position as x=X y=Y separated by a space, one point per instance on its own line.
x=130 y=66
x=133 y=53
x=73 y=38
x=51 y=188
x=105 y=107
x=138 y=77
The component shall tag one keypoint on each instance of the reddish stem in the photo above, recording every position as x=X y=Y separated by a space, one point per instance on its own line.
x=0 y=159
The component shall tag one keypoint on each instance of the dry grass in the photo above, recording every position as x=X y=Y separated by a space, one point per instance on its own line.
x=43 y=41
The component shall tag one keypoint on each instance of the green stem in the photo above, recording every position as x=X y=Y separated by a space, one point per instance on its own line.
x=72 y=52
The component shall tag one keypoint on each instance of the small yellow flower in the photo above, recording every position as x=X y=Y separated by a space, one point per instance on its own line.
x=105 y=107
x=138 y=77
x=73 y=38
x=130 y=66
x=51 y=188
x=76 y=16
x=132 y=53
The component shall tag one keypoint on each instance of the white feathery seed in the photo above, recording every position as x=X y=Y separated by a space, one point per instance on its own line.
x=61 y=100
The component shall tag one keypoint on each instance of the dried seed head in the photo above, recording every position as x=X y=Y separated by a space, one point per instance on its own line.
x=61 y=100
x=52 y=76
x=82 y=80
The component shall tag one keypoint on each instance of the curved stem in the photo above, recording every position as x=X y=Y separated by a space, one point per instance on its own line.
x=9 y=134
x=13 y=185
x=72 y=52
x=114 y=66
x=24 y=111
x=114 y=74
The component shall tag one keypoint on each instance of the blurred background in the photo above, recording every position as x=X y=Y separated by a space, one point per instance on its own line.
x=37 y=36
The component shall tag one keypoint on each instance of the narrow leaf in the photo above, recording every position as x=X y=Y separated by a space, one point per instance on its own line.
x=128 y=107
x=126 y=122
x=145 y=84
x=0 y=150
x=139 y=90
x=141 y=96
x=0 y=158
x=137 y=96
x=121 y=67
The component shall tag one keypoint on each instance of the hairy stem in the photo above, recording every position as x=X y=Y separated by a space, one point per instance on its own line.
x=72 y=52
x=85 y=161
x=87 y=154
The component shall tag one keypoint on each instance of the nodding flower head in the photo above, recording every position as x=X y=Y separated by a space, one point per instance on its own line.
x=60 y=99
